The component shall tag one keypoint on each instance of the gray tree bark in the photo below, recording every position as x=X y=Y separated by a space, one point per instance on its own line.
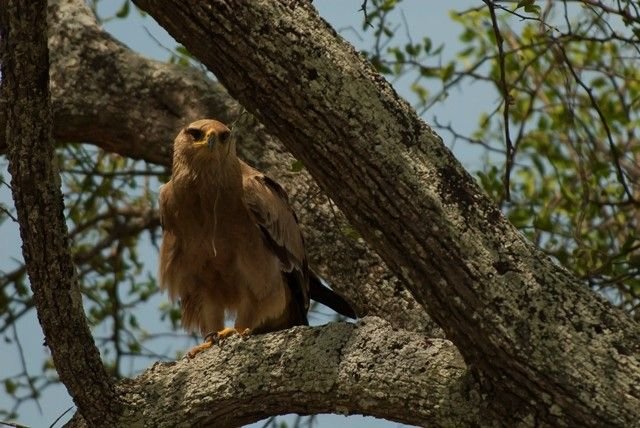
x=35 y=186
x=545 y=350
x=77 y=44
x=544 y=346
x=367 y=368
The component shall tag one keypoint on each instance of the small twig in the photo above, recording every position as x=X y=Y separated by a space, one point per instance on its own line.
x=13 y=424
x=8 y=213
x=2 y=181
x=624 y=13
x=458 y=136
x=157 y=41
x=269 y=422
x=23 y=362
x=603 y=119
x=114 y=174
x=243 y=113
x=523 y=17
x=60 y=417
x=406 y=26
x=363 y=9
x=507 y=101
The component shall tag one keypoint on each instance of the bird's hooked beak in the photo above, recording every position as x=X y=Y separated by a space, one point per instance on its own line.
x=212 y=137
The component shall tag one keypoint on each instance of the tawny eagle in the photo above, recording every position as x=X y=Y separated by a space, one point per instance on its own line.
x=231 y=242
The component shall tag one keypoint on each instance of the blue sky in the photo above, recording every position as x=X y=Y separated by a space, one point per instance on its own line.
x=428 y=18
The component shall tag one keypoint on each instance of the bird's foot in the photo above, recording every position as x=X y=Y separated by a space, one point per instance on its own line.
x=216 y=338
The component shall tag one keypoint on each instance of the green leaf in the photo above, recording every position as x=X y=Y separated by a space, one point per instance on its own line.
x=297 y=166
x=524 y=3
x=350 y=232
x=448 y=71
x=183 y=51
x=412 y=50
x=420 y=91
x=398 y=54
x=10 y=386
x=429 y=71
x=382 y=68
x=134 y=347
x=533 y=9
x=48 y=365
x=468 y=35
x=543 y=223
x=124 y=10
x=427 y=44
x=133 y=321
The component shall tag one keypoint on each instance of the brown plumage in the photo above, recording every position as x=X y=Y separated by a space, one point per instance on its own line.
x=231 y=242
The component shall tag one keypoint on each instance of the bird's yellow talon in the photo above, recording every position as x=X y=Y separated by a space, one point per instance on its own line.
x=197 y=349
x=216 y=338
x=224 y=333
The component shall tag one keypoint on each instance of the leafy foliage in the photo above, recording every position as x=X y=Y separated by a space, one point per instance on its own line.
x=561 y=157
x=109 y=204
x=565 y=164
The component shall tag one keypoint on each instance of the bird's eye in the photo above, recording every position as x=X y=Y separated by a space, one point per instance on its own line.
x=224 y=135
x=195 y=133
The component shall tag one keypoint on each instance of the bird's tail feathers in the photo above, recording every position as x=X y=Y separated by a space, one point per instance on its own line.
x=323 y=294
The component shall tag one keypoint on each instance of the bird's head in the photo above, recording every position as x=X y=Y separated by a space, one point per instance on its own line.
x=205 y=140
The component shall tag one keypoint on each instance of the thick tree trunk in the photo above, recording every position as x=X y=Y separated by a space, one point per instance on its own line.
x=545 y=347
x=35 y=186
x=390 y=370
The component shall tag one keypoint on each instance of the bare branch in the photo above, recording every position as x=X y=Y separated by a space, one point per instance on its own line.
x=363 y=9
x=504 y=88
x=36 y=191
x=615 y=154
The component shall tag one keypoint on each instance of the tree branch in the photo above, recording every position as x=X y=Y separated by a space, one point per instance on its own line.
x=615 y=151
x=367 y=368
x=546 y=348
x=504 y=88
x=35 y=186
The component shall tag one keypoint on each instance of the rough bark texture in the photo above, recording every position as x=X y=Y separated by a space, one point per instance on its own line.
x=545 y=347
x=35 y=185
x=76 y=43
x=368 y=368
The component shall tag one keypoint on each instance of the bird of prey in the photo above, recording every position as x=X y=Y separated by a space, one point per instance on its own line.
x=231 y=242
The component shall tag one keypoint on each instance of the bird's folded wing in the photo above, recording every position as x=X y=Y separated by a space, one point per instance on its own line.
x=269 y=204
